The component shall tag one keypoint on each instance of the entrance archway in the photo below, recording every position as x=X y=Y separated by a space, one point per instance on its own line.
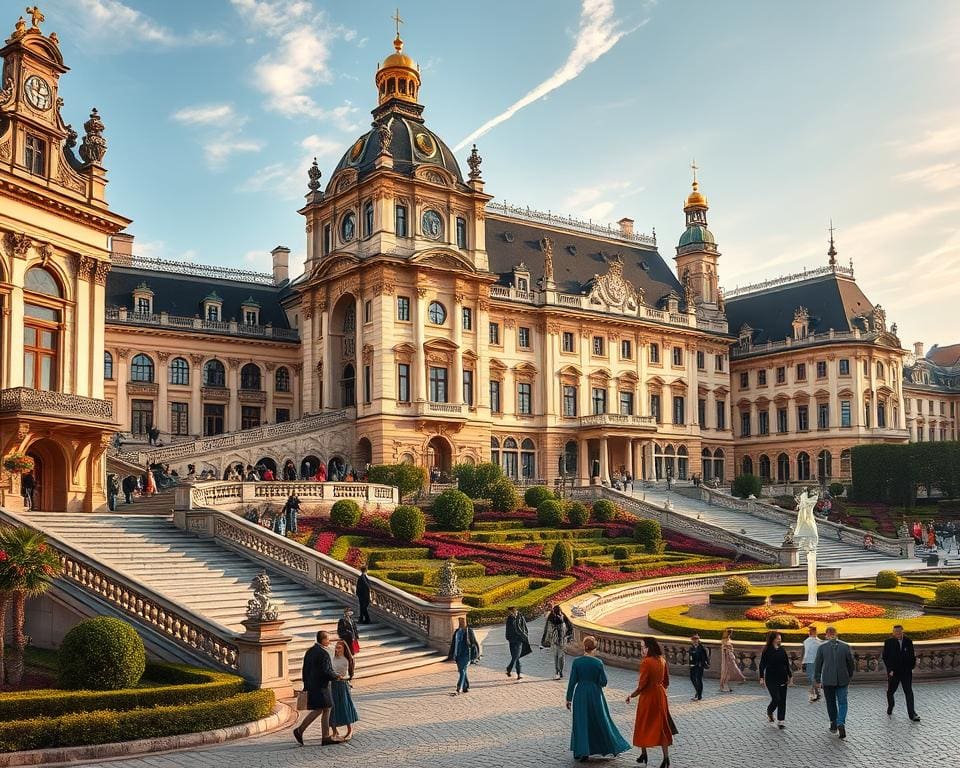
x=342 y=338
x=51 y=474
x=267 y=463
x=309 y=466
x=439 y=454
x=364 y=453
x=337 y=468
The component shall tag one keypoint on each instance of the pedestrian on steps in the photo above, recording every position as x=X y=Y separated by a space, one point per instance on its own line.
x=129 y=485
x=348 y=632
x=113 y=490
x=363 y=595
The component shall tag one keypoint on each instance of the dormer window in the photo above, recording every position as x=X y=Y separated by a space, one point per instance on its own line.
x=35 y=155
x=521 y=278
x=801 y=323
x=143 y=300
x=250 y=312
x=213 y=308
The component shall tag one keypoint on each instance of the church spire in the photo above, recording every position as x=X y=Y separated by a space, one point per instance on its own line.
x=398 y=78
x=832 y=252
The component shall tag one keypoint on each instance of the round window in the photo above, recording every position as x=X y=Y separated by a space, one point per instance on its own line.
x=436 y=313
x=431 y=224
x=348 y=227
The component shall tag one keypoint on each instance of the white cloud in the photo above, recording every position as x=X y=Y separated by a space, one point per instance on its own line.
x=274 y=177
x=320 y=146
x=149 y=249
x=939 y=177
x=220 y=130
x=125 y=26
x=218 y=150
x=937 y=141
x=290 y=181
x=207 y=114
x=599 y=32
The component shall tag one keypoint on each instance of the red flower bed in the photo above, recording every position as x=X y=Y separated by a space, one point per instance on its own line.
x=850 y=610
x=324 y=542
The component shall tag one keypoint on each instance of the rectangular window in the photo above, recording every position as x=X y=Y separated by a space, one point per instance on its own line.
x=327 y=238
x=678 y=356
x=845 y=420
x=745 y=423
x=567 y=341
x=569 y=401
x=141 y=416
x=744 y=380
x=679 y=410
x=844 y=367
x=401 y=221
x=249 y=417
x=213 y=313
x=403 y=382
x=626 y=349
x=781 y=420
x=403 y=308
x=35 y=155
x=468 y=388
x=801 y=371
x=763 y=423
x=367 y=311
x=524 y=398
x=143 y=305
x=495 y=333
x=467 y=319
x=701 y=361
x=718 y=363
x=40 y=355
x=213 y=418
x=598 y=397
x=179 y=419
x=721 y=414
x=866 y=368
x=461 y=232
x=803 y=418
x=438 y=385
x=367 y=384
x=598 y=346
x=282 y=415
x=823 y=416
x=881 y=415
x=866 y=416
x=654 y=353
x=626 y=403
x=702 y=412
x=495 y=406
x=781 y=375
x=821 y=369
x=655 y=407
x=523 y=338
x=250 y=316
x=762 y=377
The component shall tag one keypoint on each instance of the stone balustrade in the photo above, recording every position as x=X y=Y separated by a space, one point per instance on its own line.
x=47 y=403
x=227 y=493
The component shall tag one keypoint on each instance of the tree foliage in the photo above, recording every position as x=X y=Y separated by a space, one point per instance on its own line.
x=408 y=479
x=477 y=480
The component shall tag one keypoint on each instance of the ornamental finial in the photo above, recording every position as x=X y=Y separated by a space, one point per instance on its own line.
x=474 y=162
x=36 y=16
x=314 y=174
x=94 y=146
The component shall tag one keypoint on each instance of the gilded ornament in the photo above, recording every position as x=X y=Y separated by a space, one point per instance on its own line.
x=36 y=16
x=94 y=146
x=474 y=161
x=17 y=244
x=425 y=144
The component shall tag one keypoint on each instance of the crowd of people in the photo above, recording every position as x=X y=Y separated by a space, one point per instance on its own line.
x=936 y=535
x=338 y=471
x=154 y=478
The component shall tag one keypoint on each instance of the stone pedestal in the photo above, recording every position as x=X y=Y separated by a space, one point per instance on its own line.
x=264 y=657
x=445 y=620
x=789 y=556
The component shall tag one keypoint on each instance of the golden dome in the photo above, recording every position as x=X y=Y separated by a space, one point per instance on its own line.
x=399 y=59
x=696 y=199
x=398 y=77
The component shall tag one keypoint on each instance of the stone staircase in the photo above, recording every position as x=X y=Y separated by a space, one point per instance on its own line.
x=213 y=582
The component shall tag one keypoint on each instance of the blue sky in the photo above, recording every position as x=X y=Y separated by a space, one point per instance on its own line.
x=795 y=113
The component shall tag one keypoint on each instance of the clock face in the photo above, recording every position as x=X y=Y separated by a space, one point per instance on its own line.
x=37 y=92
x=431 y=224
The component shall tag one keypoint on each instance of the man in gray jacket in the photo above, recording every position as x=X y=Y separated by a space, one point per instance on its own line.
x=832 y=671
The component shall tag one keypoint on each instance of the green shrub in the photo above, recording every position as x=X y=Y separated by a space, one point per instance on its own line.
x=736 y=586
x=376 y=556
x=604 y=510
x=345 y=513
x=102 y=654
x=380 y=524
x=837 y=489
x=649 y=534
x=506 y=591
x=577 y=513
x=407 y=577
x=504 y=496
x=783 y=621
x=550 y=513
x=406 y=478
x=562 y=557
x=745 y=486
x=535 y=495
x=620 y=553
x=453 y=511
x=407 y=523
x=948 y=594
x=529 y=604
x=105 y=726
x=477 y=480
x=481 y=506
x=888 y=579
x=342 y=544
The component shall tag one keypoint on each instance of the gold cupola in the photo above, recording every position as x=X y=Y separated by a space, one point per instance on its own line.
x=696 y=199
x=399 y=76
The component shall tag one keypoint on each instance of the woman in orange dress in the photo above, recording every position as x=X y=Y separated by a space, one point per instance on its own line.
x=653 y=727
x=149 y=483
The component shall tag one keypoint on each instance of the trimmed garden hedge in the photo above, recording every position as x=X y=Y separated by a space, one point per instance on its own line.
x=105 y=726
x=892 y=473
x=527 y=604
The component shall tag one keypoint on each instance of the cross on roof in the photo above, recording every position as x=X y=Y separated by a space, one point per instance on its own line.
x=397 y=20
x=695 y=169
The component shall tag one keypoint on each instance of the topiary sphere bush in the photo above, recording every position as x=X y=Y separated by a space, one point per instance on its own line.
x=604 y=510
x=736 y=586
x=453 y=511
x=407 y=523
x=345 y=513
x=620 y=553
x=504 y=496
x=745 y=486
x=535 y=495
x=650 y=535
x=783 y=621
x=577 y=513
x=550 y=513
x=102 y=654
x=837 y=489
x=888 y=580
x=948 y=594
x=562 y=558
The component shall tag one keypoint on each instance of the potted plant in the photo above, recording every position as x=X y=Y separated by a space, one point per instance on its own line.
x=17 y=463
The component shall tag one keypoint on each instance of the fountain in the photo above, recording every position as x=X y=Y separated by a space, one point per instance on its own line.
x=807 y=537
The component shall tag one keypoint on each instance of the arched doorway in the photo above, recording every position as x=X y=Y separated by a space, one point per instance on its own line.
x=439 y=455
x=267 y=463
x=338 y=468
x=308 y=467
x=783 y=468
x=824 y=466
x=50 y=476
x=342 y=337
x=746 y=466
x=364 y=453
x=765 y=468
x=568 y=461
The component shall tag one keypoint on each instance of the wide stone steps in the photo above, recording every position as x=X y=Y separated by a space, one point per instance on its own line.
x=214 y=582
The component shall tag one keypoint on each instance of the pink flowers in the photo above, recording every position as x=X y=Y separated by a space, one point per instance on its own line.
x=324 y=542
x=3 y=555
x=849 y=610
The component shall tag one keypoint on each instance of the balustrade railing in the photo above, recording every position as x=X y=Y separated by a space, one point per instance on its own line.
x=23 y=399
x=127 y=317
x=227 y=493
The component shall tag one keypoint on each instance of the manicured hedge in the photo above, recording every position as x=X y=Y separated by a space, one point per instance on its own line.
x=477 y=481
x=550 y=513
x=453 y=511
x=504 y=496
x=507 y=591
x=535 y=534
x=498 y=525
x=577 y=513
x=407 y=523
x=892 y=473
x=163 y=684
x=377 y=556
x=745 y=486
x=105 y=726
x=604 y=510
x=535 y=495
x=345 y=513
x=407 y=478
x=527 y=604
x=561 y=559
x=341 y=545
x=101 y=654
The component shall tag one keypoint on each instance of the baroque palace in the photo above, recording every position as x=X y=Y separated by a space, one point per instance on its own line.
x=429 y=324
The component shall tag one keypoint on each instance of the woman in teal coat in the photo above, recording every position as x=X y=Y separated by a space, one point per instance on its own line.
x=593 y=732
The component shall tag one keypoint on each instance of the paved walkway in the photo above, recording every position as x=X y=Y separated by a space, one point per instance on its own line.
x=414 y=722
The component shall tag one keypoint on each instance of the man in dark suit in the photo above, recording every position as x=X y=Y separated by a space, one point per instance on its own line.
x=317 y=675
x=699 y=661
x=899 y=659
x=363 y=595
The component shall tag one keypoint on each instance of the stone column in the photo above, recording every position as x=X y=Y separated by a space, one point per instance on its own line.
x=308 y=341
x=327 y=371
x=637 y=469
x=549 y=374
x=196 y=403
x=482 y=375
x=233 y=383
x=269 y=381
x=359 y=377
x=162 y=417
x=456 y=375
x=264 y=657
x=604 y=461
x=711 y=414
x=628 y=459
x=122 y=374
x=583 y=461
x=419 y=359
x=650 y=473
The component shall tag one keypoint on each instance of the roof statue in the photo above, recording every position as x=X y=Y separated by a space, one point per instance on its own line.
x=546 y=245
x=474 y=162
x=36 y=16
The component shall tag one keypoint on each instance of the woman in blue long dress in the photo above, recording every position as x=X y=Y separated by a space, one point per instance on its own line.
x=593 y=732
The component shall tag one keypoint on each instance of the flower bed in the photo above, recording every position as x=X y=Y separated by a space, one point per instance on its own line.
x=845 y=610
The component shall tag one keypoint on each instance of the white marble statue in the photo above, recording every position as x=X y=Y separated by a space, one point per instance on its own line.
x=805 y=532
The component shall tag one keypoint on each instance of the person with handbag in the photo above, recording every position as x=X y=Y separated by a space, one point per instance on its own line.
x=775 y=674
x=699 y=658
x=518 y=639
x=464 y=649
x=654 y=726
x=348 y=632
x=557 y=632
x=317 y=675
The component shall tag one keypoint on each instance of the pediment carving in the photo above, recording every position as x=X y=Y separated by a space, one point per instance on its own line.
x=613 y=289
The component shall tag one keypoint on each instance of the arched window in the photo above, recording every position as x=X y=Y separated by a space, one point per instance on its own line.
x=510 y=458
x=350 y=319
x=368 y=218
x=141 y=369
x=40 y=280
x=250 y=376
x=764 y=467
x=282 y=380
x=718 y=464
x=214 y=374
x=879 y=370
x=568 y=464
x=706 y=460
x=668 y=462
x=746 y=466
x=803 y=466
x=43 y=313
x=348 y=394
x=107 y=365
x=494 y=451
x=845 y=462
x=783 y=468
x=528 y=462
x=683 y=463
x=824 y=465
x=437 y=313
x=179 y=371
